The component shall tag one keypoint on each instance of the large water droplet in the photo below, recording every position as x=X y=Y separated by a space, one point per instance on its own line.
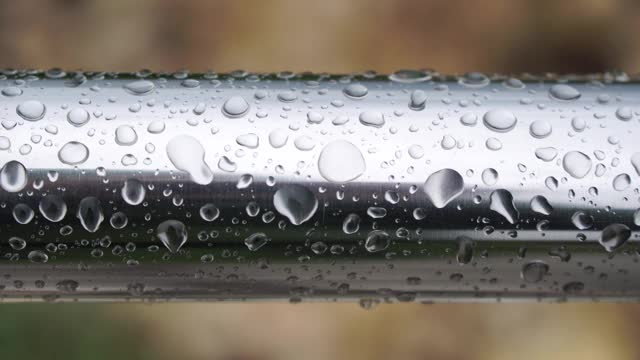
x=546 y=153
x=356 y=91
x=90 y=213
x=621 y=182
x=235 y=106
x=187 y=154
x=377 y=240
x=418 y=100
x=614 y=236
x=371 y=118
x=582 y=220
x=13 y=177
x=410 y=76
x=499 y=120
x=278 y=138
x=465 y=250
x=501 y=201
x=173 y=234
x=564 y=92
x=73 y=153
x=351 y=224
x=635 y=162
x=31 y=110
x=443 y=186
x=78 y=117
x=209 y=212
x=296 y=202
x=534 y=271
x=125 y=135
x=540 y=129
x=489 y=176
x=540 y=205
x=133 y=192
x=340 y=161
x=577 y=164
x=248 y=140
x=53 y=208
x=23 y=214
x=140 y=87
x=256 y=241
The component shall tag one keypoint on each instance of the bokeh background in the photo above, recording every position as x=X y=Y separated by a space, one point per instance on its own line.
x=324 y=36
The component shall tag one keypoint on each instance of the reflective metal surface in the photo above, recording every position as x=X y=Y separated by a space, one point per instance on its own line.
x=413 y=187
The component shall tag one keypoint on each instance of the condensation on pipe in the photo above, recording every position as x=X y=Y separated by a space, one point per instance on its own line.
x=409 y=187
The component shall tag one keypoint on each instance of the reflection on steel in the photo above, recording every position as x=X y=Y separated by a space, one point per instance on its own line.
x=410 y=187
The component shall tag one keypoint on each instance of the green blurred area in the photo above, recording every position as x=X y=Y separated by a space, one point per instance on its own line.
x=324 y=36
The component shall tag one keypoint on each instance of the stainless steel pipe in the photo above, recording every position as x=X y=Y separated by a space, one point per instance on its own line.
x=409 y=187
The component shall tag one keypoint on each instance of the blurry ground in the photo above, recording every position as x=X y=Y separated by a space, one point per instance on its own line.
x=333 y=36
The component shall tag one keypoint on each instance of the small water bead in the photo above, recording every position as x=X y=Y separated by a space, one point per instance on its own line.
x=469 y=119
x=624 y=113
x=355 y=91
x=410 y=76
x=636 y=218
x=126 y=135
x=255 y=241
x=187 y=154
x=90 y=213
x=78 y=117
x=31 y=110
x=372 y=118
x=209 y=212
x=614 y=236
x=13 y=177
x=252 y=209
x=296 y=203
x=314 y=117
x=540 y=129
x=564 y=92
x=11 y=91
x=53 y=207
x=546 y=153
x=278 y=138
x=340 y=161
x=501 y=201
x=577 y=164
x=443 y=186
x=465 y=250
x=140 y=87
x=582 y=220
x=173 y=234
x=23 y=214
x=418 y=100
x=489 y=176
x=119 y=220
x=416 y=151
x=377 y=240
x=250 y=140
x=244 y=181
x=621 y=182
x=540 y=205
x=235 y=106
x=73 y=153
x=474 y=80
x=133 y=192
x=190 y=83
x=351 y=224
x=499 y=120
x=534 y=271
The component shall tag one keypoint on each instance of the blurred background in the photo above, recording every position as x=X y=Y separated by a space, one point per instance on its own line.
x=324 y=36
